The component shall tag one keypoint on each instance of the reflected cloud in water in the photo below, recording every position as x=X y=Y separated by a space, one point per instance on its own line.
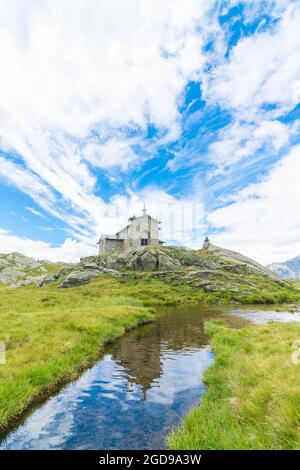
x=131 y=398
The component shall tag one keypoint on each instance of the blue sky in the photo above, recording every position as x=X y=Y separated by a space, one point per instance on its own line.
x=191 y=107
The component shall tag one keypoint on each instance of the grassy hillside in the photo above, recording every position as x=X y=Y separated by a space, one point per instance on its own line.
x=51 y=335
x=157 y=275
x=183 y=287
x=253 y=399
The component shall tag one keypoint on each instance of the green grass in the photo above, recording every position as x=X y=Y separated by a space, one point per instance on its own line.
x=177 y=289
x=253 y=398
x=51 y=335
x=174 y=290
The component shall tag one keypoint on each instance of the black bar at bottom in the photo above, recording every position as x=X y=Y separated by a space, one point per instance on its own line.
x=135 y=459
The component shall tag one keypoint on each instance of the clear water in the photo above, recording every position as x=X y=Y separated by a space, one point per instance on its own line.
x=267 y=315
x=130 y=399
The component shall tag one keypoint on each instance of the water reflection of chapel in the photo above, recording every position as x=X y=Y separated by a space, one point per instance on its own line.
x=141 y=352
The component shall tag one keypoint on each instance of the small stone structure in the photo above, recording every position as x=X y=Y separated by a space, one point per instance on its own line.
x=206 y=243
x=141 y=231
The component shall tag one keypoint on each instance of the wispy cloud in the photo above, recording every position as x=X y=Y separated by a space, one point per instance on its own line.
x=91 y=95
x=263 y=220
x=71 y=97
x=35 y=212
x=68 y=251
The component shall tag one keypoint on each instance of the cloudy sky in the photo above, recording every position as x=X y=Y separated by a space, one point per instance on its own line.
x=191 y=106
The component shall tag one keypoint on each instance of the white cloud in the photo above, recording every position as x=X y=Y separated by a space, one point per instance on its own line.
x=264 y=220
x=28 y=182
x=256 y=84
x=35 y=212
x=44 y=195
x=182 y=220
x=110 y=154
x=241 y=140
x=78 y=82
x=262 y=69
x=181 y=217
x=70 y=70
x=69 y=251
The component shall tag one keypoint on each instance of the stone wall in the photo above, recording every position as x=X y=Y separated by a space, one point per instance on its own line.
x=131 y=236
x=108 y=245
x=144 y=227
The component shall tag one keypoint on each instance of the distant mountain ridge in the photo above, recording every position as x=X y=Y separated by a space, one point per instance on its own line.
x=287 y=269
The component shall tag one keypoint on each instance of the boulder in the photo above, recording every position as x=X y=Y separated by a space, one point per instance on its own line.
x=111 y=263
x=188 y=258
x=48 y=279
x=78 y=278
x=167 y=262
x=146 y=262
x=29 y=280
x=124 y=259
x=93 y=262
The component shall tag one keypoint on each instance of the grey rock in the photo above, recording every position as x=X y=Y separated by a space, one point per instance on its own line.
x=22 y=261
x=123 y=259
x=29 y=280
x=10 y=275
x=48 y=280
x=237 y=258
x=4 y=263
x=237 y=268
x=17 y=270
x=166 y=262
x=78 y=278
x=189 y=258
x=212 y=269
x=111 y=263
x=93 y=262
x=210 y=287
x=146 y=262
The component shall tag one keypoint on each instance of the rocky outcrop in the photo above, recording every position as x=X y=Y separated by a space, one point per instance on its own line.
x=18 y=270
x=29 y=280
x=144 y=259
x=10 y=275
x=17 y=259
x=238 y=261
x=80 y=277
x=165 y=261
x=212 y=269
x=48 y=279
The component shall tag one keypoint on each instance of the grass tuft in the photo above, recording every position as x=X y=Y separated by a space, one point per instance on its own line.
x=253 y=398
x=51 y=335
